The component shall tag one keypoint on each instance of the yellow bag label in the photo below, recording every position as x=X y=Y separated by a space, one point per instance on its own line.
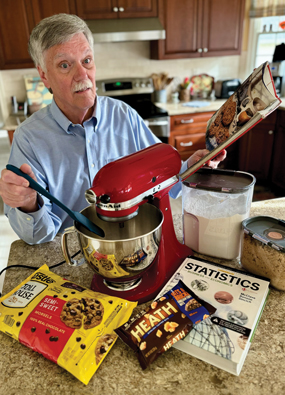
x=68 y=324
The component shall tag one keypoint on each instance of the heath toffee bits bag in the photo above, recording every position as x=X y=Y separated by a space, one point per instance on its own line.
x=66 y=323
x=167 y=320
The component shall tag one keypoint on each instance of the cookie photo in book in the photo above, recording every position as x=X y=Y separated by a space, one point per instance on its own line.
x=252 y=97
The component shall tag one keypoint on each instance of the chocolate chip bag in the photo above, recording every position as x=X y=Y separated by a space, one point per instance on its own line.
x=166 y=321
x=66 y=323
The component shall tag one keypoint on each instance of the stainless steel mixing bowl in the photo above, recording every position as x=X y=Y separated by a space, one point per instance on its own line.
x=128 y=248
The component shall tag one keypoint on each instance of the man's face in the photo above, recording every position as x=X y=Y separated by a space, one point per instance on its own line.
x=70 y=73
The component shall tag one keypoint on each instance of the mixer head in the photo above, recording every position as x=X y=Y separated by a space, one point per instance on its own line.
x=120 y=187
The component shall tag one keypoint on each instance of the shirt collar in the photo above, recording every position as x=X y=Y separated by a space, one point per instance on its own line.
x=63 y=121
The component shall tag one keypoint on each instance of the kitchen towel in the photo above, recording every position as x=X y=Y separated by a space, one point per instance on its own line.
x=197 y=103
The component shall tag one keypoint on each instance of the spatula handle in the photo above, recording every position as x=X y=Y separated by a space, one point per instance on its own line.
x=37 y=187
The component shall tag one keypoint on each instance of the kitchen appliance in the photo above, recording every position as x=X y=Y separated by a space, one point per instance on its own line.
x=278 y=75
x=138 y=93
x=225 y=88
x=126 y=29
x=215 y=202
x=133 y=262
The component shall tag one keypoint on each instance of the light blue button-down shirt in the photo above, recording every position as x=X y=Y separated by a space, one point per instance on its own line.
x=66 y=157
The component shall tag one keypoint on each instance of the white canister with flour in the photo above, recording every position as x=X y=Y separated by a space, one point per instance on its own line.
x=215 y=202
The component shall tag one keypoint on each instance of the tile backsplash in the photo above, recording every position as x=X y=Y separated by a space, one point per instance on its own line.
x=131 y=59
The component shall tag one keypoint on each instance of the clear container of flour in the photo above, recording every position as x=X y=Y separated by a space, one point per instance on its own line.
x=215 y=202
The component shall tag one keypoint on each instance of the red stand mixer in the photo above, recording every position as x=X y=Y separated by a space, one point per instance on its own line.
x=130 y=190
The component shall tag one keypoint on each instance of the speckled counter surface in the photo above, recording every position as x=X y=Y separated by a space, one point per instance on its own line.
x=210 y=105
x=23 y=371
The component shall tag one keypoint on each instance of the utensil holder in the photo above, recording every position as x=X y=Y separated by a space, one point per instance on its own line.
x=184 y=95
x=160 y=96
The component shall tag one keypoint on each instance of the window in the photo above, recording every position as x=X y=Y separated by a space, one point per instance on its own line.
x=269 y=34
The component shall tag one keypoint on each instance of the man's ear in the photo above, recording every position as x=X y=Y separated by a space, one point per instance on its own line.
x=43 y=76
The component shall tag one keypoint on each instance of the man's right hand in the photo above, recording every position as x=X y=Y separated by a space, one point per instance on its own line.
x=15 y=190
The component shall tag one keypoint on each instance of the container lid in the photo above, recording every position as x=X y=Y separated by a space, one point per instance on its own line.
x=220 y=180
x=268 y=230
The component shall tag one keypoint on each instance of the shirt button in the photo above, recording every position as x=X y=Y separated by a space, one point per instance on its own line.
x=73 y=125
x=92 y=165
x=28 y=219
x=89 y=141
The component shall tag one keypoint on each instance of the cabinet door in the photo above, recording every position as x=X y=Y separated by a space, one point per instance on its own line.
x=113 y=9
x=137 y=8
x=182 y=21
x=197 y=28
x=17 y=19
x=43 y=9
x=97 y=9
x=256 y=148
x=186 y=145
x=16 y=23
x=222 y=27
x=187 y=132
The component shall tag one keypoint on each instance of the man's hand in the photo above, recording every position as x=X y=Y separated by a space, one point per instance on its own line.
x=211 y=163
x=15 y=190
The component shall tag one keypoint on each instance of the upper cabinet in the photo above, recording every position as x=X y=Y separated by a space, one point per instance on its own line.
x=16 y=24
x=113 y=9
x=194 y=28
x=17 y=20
x=199 y=28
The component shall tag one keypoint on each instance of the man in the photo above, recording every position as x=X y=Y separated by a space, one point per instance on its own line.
x=63 y=145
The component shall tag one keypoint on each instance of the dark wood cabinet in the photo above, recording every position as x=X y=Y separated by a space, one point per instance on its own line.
x=17 y=19
x=43 y=9
x=256 y=148
x=16 y=24
x=278 y=157
x=199 y=28
x=113 y=9
x=187 y=132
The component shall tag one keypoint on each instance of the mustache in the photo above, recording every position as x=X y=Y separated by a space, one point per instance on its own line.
x=82 y=85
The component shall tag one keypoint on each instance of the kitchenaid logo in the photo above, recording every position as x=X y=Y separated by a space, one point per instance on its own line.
x=221 y=276
x=43 y=278
x=109 y=206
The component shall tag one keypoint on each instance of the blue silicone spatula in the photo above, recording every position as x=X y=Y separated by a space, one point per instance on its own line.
x=73 y=214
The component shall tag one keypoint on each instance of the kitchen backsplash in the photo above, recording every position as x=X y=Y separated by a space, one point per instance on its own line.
x=129 y=59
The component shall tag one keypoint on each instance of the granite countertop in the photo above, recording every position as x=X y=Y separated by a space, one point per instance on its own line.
x=180 y=108
x=24 y=371
x=214 y=105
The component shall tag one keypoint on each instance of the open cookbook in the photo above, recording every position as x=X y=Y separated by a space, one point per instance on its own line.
x=222 y=339
x=253 y=101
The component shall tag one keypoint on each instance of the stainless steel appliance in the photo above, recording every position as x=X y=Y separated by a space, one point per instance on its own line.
x=137 y=92
x=278 y=75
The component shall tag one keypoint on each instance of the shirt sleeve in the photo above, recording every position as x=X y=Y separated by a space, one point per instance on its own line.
x=42 y=225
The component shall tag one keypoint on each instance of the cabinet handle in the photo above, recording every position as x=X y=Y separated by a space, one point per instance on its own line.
x=191 y=120
x=186 y=144
x=200 y=50
x=270 y=132
x=205 y=49
x=115 y=9
x=121 y=9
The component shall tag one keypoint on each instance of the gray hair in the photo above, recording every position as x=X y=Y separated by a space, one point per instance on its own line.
x=54 y=30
